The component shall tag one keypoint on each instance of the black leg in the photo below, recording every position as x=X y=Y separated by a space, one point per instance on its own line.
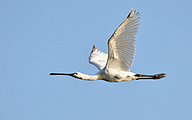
x=156 y=76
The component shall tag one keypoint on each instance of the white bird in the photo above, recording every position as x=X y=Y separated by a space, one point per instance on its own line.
x=115 y=66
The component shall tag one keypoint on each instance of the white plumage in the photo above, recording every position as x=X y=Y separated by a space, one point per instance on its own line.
x=98 y=58
x=121 y=45
x=115 y=66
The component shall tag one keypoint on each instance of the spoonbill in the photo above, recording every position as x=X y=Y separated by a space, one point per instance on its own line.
x=115 y=66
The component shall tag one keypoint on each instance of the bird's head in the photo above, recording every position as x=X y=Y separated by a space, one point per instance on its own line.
x=77 y=75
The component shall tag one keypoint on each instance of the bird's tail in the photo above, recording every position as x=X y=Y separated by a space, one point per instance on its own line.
x=156 y=76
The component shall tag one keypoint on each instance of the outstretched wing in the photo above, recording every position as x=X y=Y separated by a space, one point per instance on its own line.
x=98 y=58
x=121 y=44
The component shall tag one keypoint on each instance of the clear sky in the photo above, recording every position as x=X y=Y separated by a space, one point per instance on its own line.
x=38 y=37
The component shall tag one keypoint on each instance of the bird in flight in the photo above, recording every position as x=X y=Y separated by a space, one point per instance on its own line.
x=115 y=66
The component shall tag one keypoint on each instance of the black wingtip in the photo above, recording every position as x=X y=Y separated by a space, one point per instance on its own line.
x=130 y=12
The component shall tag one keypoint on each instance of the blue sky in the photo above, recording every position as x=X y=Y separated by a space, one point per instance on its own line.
x=39 y=37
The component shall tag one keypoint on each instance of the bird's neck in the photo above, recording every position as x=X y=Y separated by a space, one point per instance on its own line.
x=88 y=77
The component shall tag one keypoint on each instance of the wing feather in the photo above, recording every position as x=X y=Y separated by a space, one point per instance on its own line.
x=98 y=58
x=121 y=44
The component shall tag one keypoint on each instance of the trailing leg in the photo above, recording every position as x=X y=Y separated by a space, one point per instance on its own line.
x=156 y=76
